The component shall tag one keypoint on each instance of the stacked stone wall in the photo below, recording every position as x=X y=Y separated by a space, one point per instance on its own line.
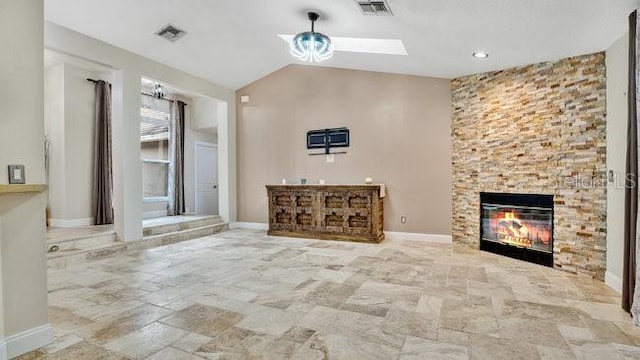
x=536 y=129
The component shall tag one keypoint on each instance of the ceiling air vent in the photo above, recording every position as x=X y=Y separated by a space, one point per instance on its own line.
x=171 y=33
x=380 y=8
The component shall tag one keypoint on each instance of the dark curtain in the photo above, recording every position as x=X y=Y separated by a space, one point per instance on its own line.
x=176 y=200
x=102 y=179
x=631 y=188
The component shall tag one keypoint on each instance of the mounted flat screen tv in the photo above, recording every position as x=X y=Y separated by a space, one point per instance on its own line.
x=328 y=138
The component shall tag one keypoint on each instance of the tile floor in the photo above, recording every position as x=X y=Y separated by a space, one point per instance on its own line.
x=243 y=295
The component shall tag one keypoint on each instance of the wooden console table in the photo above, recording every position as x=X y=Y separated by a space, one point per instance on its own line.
x=330 y=212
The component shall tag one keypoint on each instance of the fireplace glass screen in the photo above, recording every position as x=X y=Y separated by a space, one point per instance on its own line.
x=521 y=226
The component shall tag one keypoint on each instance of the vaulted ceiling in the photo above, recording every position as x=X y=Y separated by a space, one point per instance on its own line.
x=235 y=42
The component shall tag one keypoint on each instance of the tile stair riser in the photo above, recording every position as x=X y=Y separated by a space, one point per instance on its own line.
x=85 y=243
x=208 y=230
x=105 y=253
x=84 y=252
x=85 y=256
x=189 y=233
x=83 y=236
x=200 y=223
x=163 y=229
x=166 y=239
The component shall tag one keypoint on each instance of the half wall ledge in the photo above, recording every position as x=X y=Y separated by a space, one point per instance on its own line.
x=21 y=188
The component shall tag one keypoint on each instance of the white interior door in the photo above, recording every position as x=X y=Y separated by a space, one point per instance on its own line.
x=206 y=164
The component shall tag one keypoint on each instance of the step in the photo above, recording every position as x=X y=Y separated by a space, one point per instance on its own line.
x=179 y=225
x=60 y=259
x=63 y=258
x=81 y=242
x=182 y=235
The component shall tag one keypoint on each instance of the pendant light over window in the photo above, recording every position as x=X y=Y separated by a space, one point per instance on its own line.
x=311 y=46
x=158 y=91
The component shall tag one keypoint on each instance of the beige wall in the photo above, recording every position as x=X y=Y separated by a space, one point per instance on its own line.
x=79 y=125
x=400 y=135
x=617 y=81
x=22 y=53
x=23 y=277
x=69 y=122
x=24 y=269
x=206 y=112
x=54 y=131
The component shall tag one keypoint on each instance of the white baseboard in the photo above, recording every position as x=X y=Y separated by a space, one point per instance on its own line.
x=70 y=223
x=613 y=281
x=434 y=238
x=249 y=225
x=29 y=340
x=154 y=214
x=391 y=235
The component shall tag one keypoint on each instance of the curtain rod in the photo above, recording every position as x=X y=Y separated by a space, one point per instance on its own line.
x=96 y=81
x=150 y=95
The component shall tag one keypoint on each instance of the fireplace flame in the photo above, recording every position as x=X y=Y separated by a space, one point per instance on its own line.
x=518 y=226
x=512 y=230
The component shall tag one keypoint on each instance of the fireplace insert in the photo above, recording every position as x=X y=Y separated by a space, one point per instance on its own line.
x=517 y=225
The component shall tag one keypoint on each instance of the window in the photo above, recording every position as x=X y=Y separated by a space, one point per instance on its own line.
x=155 y=120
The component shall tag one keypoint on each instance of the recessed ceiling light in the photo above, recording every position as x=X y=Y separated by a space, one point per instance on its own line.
x=480 y=55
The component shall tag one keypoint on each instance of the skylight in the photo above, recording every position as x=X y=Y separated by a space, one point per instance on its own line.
x=362 y=45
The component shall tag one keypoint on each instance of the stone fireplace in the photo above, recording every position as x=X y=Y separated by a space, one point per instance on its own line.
x=537 y=129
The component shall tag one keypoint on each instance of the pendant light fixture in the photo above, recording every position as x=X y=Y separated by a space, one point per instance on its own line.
x=158 y=91
x=311 y=46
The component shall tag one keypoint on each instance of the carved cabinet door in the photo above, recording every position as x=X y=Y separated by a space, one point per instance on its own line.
x=332 y=217
x=358 y=214
x=282 y=211
x=304 y=210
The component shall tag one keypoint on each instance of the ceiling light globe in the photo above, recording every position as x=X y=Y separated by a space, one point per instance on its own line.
x=158 y=91
x=311 y=47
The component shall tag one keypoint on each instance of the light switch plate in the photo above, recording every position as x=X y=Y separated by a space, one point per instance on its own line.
x=16 y=174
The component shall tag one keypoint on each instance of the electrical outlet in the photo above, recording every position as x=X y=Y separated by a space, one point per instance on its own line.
x=403 y=219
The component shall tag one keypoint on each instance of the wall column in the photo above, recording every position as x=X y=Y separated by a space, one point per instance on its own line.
x=226 y=161
x=3 y=349
x=127 y=166
x=23 y=267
